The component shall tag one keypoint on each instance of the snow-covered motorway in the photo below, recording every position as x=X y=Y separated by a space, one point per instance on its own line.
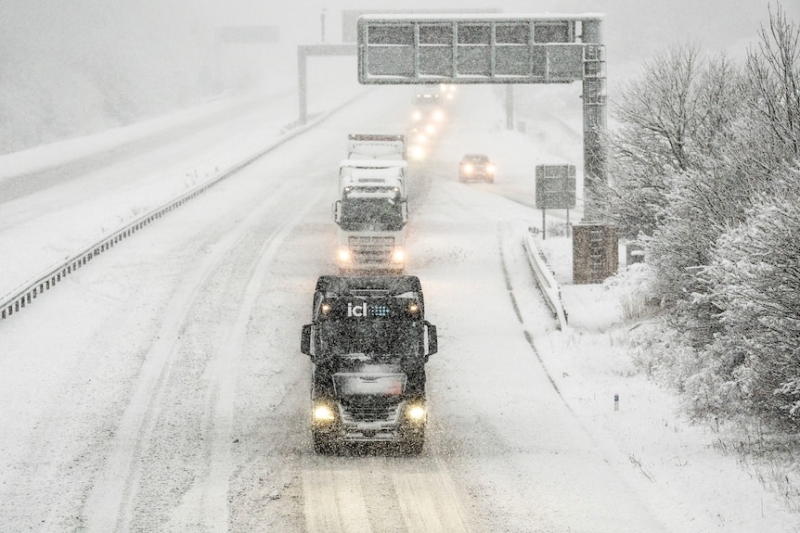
x=162 y=389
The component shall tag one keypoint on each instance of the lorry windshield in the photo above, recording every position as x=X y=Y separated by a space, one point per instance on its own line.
x=372 y=337
x=371 y=214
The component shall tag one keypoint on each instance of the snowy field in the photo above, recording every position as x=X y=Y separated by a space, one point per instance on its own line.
x=161 y=388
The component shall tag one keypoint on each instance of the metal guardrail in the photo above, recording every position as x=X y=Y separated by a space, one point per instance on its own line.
x=24 y=295
x=545 y=279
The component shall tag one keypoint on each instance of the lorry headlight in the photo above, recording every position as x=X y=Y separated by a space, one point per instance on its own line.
x=344 y=255
x=398 y=255
x=416 y=412
x=323 y=413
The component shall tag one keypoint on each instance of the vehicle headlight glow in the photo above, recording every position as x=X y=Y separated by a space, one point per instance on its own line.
x=438 y=115
x=490 y=169
x=344 y=255
x=417 y=152
x=468 y=168
x=323 y=413
x=431 y=129
x=398 y=255
x=416 y=412
x=416 y=115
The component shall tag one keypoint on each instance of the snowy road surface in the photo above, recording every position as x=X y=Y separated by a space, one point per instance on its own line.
x=162 y=389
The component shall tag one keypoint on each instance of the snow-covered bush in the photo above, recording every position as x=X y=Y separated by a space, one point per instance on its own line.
x=634 y=288
x=755 y=281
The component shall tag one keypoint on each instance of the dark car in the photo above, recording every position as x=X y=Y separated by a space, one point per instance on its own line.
x=474 y=167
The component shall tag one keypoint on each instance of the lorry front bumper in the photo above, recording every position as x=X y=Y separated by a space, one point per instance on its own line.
x=350 y=426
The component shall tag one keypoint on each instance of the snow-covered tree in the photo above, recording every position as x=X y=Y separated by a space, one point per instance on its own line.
x=774 y=72
x=673 y=119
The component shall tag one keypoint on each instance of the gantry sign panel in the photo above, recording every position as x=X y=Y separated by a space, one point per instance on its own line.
x=404 y=49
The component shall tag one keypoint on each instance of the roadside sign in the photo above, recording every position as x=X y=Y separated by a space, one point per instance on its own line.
x=555 y=186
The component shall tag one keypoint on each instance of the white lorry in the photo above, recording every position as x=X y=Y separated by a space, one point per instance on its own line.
x=371 y=234
x=372 y=210
x=377 y=160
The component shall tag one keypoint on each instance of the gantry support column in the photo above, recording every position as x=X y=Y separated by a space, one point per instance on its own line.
x=594 y=118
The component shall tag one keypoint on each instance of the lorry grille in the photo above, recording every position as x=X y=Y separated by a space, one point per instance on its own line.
x=371 y=413
x=371 y=249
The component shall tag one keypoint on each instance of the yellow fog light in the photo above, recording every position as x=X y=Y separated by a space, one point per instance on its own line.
x=323 y=413
x=416 y=412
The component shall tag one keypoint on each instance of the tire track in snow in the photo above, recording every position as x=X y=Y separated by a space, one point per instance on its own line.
x=225 y=364
x=108 y=506
x=413 y=496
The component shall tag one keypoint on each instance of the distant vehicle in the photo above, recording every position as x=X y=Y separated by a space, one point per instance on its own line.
x=427 y=109
x=369 y=342
x=447 y=90
x=474 y=167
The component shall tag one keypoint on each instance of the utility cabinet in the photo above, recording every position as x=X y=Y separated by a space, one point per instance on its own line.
x=595 y=253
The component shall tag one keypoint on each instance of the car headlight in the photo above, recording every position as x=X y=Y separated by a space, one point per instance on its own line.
x=416 y=115
x=344 y=255
x=323 y=413
x=398 y=255
x=490 y=169
x=416 y=412
x=438 y=116
x=417 y=152
x=467 y=168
